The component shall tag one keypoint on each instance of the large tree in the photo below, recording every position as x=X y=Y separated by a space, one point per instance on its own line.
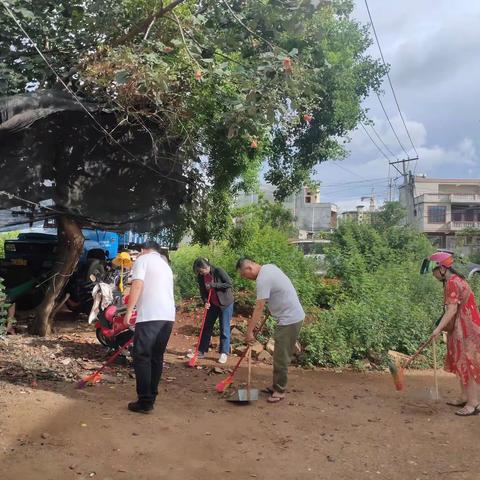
x=220 y=85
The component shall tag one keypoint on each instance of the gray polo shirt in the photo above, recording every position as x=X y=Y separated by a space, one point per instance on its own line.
x=275 y=287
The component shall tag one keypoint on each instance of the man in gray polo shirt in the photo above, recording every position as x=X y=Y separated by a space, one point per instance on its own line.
x=274 y=287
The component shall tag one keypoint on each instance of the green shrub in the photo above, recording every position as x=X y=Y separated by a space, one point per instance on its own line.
x=6 y=236
x=264 y=245
x=393 y=308
x=186 y=285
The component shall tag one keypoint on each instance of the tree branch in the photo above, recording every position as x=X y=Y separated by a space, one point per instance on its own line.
x=143 y=26
x=185 y=42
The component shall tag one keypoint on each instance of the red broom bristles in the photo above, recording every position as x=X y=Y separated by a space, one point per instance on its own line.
x=398 y=370
x=398 y=374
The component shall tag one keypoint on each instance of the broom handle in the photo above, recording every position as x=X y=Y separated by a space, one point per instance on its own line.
x=249 y=373
x=205 y=313
x=114 y=356
x=422 y=347
x=244 y=354
x=435 y=379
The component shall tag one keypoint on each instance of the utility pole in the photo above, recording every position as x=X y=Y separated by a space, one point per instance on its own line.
x=408 y=184
x=404 y=165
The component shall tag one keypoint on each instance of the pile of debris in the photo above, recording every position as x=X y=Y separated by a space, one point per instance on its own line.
x=27 y=360
x=263 y=352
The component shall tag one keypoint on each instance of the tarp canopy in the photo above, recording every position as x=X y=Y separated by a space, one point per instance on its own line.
x=52 y=151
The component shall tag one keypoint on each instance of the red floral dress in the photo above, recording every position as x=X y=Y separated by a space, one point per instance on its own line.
x=463 y=343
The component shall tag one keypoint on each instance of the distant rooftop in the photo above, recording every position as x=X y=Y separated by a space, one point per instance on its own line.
x=421 y=179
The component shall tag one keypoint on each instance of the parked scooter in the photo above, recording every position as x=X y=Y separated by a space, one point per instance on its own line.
x=109 y=308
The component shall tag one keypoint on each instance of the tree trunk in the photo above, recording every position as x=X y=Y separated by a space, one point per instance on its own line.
x=70 y=246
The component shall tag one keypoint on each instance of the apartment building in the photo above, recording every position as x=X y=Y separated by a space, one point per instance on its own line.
x=444 y=209
x=359 y=215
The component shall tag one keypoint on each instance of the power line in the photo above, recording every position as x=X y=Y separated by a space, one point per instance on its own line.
x=348 y=170
x=353 y=182
x=382 y=142
x=373 y=141
x=391 y=126
x=77 y=99
x=388 y=77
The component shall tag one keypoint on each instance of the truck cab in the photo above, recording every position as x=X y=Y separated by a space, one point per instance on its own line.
x=33 y=253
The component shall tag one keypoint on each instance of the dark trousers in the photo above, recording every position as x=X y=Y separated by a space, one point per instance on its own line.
x=225 y=315
x=149 y=345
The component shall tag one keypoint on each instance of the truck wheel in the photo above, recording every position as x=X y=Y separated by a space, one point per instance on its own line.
x=30 y=300
x=95 y=267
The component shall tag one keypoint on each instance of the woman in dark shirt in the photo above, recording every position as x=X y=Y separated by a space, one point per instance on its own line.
x=221 y=305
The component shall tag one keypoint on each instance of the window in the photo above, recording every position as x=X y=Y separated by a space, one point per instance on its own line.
x=469 y=215
x=457 y=215
x=437 y=214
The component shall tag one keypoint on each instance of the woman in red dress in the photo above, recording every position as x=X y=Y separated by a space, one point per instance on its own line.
x=461 y=321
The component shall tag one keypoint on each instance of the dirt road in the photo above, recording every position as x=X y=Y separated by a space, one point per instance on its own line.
x=333 y=425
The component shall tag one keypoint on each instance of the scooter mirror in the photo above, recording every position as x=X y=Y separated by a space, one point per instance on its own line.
x=93 y=278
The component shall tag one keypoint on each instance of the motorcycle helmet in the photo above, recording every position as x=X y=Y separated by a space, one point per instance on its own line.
x=438 y=259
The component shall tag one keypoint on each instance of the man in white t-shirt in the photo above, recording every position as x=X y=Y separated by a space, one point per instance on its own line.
x=276 y=289
x=152 y=293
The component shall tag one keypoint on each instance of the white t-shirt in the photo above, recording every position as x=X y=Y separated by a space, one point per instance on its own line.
x=275 y=287
x=156 y=301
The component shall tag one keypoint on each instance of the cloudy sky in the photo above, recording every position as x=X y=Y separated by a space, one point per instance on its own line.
x=433 y=48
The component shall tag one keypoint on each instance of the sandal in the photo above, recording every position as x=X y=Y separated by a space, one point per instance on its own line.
x=268 y=390
x=457 y=404
x=275 y=399
x=475 y=411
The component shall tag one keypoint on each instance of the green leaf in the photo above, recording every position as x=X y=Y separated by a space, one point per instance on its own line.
x=27 y=14
x=232 y=131
x=122 y=77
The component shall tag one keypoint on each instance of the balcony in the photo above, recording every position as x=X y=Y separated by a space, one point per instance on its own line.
x=448 y=198
x=464 y=198
x=457 y=226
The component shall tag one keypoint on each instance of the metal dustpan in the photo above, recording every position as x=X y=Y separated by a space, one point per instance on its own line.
x=245 y=395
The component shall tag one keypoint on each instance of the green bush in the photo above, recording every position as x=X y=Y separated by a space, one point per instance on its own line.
x=382 y=301
x=264 y=245
x=6 y=236
x=393 y=308
x=186 y=285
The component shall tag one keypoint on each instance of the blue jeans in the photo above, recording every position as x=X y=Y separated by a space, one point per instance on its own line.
x=225 y=314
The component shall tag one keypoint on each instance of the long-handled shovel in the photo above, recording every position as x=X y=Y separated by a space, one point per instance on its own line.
x=225 y=383
x=435 y=378
x=246 y=395
x=95 y=377
x=191 y=363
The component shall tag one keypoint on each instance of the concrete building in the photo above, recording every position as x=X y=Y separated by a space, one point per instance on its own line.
x=360 y=215
x=443 y=209
x=311 y=215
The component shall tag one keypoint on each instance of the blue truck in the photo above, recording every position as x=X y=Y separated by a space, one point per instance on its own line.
x=33 y=253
